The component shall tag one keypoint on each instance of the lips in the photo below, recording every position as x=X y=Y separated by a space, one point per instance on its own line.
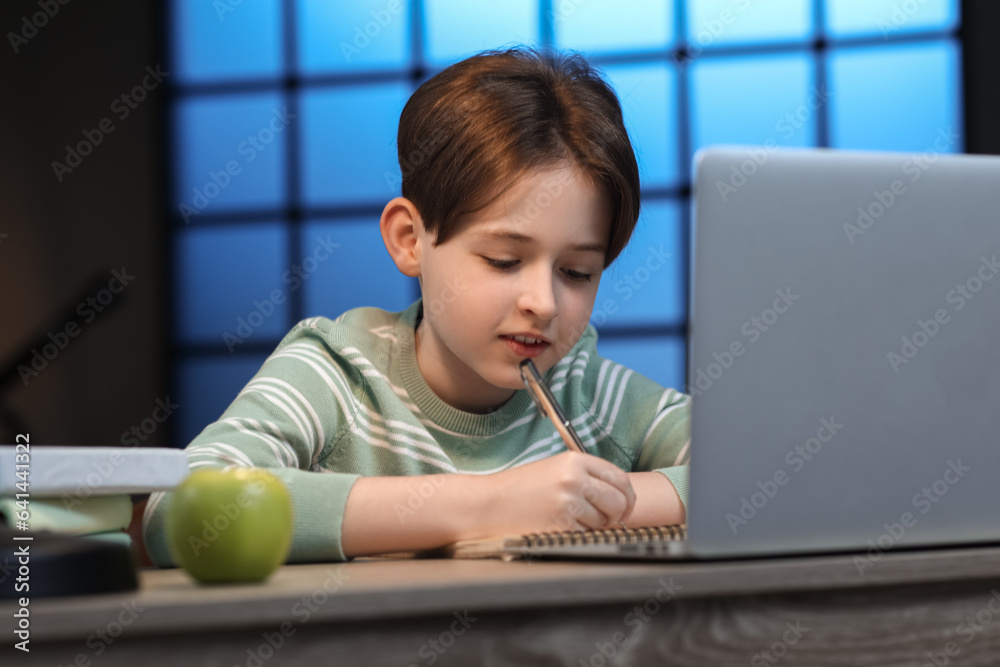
x=530 y=340
x=523 y=348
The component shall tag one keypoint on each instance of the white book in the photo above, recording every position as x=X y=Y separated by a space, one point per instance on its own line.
x=85 y=471
x=71 y=515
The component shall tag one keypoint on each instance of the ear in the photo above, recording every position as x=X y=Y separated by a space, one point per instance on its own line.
x=403 y=233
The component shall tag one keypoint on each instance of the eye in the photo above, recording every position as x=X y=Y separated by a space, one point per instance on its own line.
x=577 y=276
x=501 y=264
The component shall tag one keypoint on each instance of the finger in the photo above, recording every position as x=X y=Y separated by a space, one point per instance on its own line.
x=615 y=476
x=575 y=526
x=625 y=517
x=610 y=501
x=582 y=514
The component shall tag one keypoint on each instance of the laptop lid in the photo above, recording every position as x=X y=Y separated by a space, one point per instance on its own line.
x=843 y=359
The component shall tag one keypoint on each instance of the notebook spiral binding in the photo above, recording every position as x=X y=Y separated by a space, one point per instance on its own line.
x=616 y=536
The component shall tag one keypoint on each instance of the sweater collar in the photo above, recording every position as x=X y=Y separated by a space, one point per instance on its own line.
x=435 y=409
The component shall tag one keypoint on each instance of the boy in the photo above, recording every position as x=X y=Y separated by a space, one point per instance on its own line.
x=519 y=188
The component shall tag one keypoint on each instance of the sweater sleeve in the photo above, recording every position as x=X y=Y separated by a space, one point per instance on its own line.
x=666 y=443
x=285 y=420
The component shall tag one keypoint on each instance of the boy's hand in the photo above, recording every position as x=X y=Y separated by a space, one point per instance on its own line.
x=569 y=491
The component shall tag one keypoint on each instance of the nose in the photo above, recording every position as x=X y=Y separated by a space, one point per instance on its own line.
x=537 y=294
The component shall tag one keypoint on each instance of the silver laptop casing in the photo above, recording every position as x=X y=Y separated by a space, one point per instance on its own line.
x=844 y=351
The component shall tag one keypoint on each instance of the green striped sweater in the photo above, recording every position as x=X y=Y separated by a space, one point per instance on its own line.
x=339 y=399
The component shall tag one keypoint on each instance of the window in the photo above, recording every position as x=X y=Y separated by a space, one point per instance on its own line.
x=283 y=118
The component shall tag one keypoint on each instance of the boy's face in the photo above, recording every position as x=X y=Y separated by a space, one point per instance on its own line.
x=528 y=265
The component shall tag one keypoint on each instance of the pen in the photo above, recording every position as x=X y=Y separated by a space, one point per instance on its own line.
x=547 y=405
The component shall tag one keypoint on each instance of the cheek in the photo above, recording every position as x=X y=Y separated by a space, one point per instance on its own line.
x=578 y=306
x=579 y=300
x=481 y=289
x=445 y=288
x=465 y=302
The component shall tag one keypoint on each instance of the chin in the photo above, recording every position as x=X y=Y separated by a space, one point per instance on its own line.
x=507 y=380
x=513 y=384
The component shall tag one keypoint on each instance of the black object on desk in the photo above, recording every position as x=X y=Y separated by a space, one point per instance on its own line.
x=59 y=565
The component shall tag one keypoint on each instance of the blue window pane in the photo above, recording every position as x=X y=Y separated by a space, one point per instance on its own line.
x=364 y=34
x=227 y=281
x=457 y=28
x=230 y=153
x=848 y=18
x=217 y=41
x=645 y=284
x=717 y=22
x=207 y=387
x=759 y=100
x=602 y=26
x=649 y=104
x=659 y=359
x=359 y=272
x=349 y=149
x=900 y=98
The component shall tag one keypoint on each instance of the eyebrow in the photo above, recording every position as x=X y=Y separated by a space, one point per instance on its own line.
x=504 y=235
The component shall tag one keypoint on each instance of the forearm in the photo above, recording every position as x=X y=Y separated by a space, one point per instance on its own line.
x=656 y=501
x=386 y=514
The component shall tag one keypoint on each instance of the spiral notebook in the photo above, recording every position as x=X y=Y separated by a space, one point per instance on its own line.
x=620 y=543
x=630 y=543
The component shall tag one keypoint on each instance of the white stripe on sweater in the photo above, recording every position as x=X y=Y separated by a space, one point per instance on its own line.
x=278 y=445
x=367 y=429
x=378 y=442
x=214 y=462
x=370 y=418
x=618 y=398
x=292 y=403
x=319 y=437
x=684 y=451
x=662 y=414
x=548 y=447
x=235 y=455
x=565 y=365
x=385 y=331
x=336 y=382
x=609 y=390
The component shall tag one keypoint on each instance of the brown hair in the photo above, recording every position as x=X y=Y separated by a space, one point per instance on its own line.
x=468 y=133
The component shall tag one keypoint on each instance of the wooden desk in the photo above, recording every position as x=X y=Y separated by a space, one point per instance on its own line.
x=807 y=610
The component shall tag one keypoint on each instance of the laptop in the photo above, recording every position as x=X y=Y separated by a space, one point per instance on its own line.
x=843 y=358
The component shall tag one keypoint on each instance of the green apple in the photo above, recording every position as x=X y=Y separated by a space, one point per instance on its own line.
x=230 y=525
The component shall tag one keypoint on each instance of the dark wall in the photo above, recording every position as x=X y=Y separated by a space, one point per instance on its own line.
x=64 y=238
